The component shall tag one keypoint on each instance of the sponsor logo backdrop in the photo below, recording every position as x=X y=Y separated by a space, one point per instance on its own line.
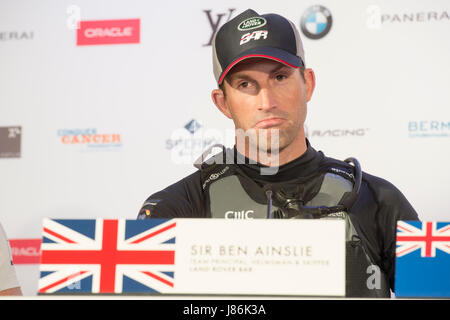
x=103 y=104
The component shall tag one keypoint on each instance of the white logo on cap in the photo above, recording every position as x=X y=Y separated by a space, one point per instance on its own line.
x=251 y=23
x=256 y=35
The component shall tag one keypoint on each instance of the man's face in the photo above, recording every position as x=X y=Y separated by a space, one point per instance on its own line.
x=264 y=95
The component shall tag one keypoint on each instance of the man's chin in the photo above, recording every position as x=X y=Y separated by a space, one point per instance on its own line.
x=271 y=146
x=272 y=140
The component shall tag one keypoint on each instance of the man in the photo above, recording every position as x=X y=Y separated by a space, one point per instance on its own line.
x=264 y=88
x=9 y=286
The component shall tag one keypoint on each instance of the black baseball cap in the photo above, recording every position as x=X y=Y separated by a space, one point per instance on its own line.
x=250 y=35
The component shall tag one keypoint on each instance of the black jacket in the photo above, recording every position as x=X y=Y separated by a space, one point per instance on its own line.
x=374 y=214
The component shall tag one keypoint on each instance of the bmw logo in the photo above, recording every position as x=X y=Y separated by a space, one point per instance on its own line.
x=316 y=22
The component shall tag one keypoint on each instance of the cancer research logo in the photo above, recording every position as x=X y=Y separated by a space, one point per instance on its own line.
x=187 y=143
x=429 y=129
x=10 y=142
x=316 y=22
x=124 y=31
x=89 y=139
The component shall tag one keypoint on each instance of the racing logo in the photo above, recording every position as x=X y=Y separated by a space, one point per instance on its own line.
x=316 y=22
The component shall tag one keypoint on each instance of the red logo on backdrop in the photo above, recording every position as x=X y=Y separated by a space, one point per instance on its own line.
x=108 y=32
x=25 y=251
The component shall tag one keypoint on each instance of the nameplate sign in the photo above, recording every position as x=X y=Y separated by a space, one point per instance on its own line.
x=193 y=256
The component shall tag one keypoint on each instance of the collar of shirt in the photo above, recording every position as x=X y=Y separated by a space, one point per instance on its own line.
x=303 y=166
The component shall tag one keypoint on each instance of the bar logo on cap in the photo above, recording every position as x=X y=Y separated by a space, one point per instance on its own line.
x=251 y=23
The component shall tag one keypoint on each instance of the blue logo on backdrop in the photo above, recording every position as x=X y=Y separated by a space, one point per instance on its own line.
x=192 y=126
x=316 y=22
x=191 y=136
x=429 y=129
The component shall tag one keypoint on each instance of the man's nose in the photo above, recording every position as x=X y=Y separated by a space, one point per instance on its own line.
x=266 y=99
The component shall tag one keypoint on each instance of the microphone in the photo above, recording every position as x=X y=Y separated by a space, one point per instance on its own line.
x=268 y=192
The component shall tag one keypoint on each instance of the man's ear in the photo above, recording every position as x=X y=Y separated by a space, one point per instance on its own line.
x=220 y=101
x=310 y=83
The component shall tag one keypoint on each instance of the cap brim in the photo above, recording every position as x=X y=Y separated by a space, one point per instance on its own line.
x=275 y=54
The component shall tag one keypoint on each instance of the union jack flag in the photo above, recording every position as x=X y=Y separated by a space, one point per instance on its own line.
x=427 y=237
x=423 y=259
x=107 y=256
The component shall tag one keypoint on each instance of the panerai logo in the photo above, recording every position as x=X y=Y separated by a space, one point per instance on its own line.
x=251 y=23
x=16 y=35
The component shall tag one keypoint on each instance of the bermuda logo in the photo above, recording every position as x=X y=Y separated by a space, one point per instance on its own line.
x=251 y=23
x=316 y=22
x=429 y=129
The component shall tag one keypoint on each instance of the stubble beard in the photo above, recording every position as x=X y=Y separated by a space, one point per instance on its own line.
x=266 y=144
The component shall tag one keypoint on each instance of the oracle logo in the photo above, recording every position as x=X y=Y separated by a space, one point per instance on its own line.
x=108 y=32
x=25 y=251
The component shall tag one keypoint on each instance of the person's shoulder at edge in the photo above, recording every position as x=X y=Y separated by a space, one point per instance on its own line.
x=9 y=284
x=385 y=193
x=183 y=198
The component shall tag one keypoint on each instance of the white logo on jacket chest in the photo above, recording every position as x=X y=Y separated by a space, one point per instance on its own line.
x=244 y=214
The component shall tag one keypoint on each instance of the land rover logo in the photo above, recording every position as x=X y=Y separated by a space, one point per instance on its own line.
x=251 y=23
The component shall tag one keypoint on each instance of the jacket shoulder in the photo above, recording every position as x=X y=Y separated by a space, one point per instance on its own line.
x=180 y=199
x=389 y=197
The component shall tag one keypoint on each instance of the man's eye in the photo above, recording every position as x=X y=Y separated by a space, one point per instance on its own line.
x=244 y=84
x=280 y=77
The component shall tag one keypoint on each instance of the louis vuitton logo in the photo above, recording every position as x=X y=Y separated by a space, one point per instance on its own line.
x=214 y=23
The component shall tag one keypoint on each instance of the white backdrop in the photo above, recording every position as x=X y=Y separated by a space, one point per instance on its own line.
x=381 y=96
